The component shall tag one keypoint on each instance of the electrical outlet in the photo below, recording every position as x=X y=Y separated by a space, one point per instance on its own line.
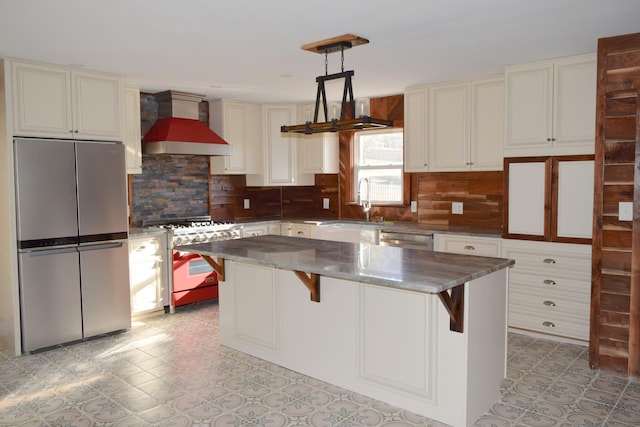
x=325 y=203
x=246 y=204
x=414 y=206
x=625 y=211
x=456 y=208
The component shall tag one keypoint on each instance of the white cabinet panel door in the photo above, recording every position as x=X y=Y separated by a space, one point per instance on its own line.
x=280 y=148
x=449 y=127
x=574 y=101
x=41 y=102
x=527 y=198
x=575 y=199
x=487 y=124
x=529 y=114
x=415 y=131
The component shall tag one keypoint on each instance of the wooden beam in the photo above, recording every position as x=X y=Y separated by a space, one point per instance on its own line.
x=454 y=304
x=312 y=282
x=217 y=266
x=334 y=44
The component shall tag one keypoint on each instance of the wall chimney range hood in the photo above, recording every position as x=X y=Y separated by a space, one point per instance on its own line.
x=178 y=130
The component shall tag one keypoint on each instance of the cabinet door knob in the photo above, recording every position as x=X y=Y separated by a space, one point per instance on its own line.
x=549 y=282
x=549 y=324
x=469 y=248
x=549 y=303
x=549 y=261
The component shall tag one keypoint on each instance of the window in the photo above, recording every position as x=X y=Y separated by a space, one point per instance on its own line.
x=378 y=157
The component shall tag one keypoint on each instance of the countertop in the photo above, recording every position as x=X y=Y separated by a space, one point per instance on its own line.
x=408 y=269
x=147 y=231
x=398 y=226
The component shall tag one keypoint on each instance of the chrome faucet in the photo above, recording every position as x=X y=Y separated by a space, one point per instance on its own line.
x=366 y=203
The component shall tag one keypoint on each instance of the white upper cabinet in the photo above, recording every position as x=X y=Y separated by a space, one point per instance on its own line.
x=280 y=150
x=53 y=101
x=317 y=153
x=240 y=124
x=487 y=124
x=416 y=152
x=449 y=127
x=132 y=137
x=455 y=126
x=550 y=107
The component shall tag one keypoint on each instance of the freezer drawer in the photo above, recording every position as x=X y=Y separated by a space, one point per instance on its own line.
x=106 y=305
x=49 y=298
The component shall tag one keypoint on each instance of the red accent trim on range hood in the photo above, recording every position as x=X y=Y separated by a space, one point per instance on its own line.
x=182 y=130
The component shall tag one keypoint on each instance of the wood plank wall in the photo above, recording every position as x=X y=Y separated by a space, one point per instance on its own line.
x=154 y=193
x=615 y=299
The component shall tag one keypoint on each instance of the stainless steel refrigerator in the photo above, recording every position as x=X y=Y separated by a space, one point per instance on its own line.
x=72 y=240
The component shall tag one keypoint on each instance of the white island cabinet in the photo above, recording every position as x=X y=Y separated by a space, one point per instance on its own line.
x=369 y=318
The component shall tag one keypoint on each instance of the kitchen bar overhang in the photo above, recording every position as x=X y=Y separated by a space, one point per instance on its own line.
x=446 y=275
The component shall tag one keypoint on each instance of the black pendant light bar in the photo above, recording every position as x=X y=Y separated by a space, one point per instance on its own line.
x=336 y=44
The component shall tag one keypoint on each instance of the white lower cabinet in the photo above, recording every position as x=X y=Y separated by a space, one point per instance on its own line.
x=261 y=230
x=148 y=273
x=295 y=229
x=549 y=288
x=468 y=245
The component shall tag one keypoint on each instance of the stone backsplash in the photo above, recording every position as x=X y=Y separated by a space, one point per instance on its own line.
x=170 y=186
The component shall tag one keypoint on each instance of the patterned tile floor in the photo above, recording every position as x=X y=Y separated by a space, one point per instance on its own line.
x=171 y=371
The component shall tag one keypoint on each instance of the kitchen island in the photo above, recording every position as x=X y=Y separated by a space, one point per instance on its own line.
x=425 y=331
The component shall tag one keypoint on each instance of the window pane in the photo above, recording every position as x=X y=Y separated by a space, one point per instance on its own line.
x=386 y=185
x=378 y=157
x=380 y=148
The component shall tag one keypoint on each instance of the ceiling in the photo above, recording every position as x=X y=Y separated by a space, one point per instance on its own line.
x=250 y=49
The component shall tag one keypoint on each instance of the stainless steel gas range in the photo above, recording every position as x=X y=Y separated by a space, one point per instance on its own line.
x=193 y=279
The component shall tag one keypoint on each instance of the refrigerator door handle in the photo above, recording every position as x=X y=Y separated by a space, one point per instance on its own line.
x=100 y=246
x=43 y=252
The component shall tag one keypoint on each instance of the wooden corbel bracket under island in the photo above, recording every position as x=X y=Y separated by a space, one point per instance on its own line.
x=425 y=331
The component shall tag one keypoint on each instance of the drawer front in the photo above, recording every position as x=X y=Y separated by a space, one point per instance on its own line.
x=565 y=327
x=549 y=263
x=147 y=246
x=554 y=305
x=469 y=245
x=542 y=283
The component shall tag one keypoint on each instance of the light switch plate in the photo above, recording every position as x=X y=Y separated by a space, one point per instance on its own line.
x=325 y=203
x=414 y=206
x=456 y=208
x=247 y=204
x=625 y=211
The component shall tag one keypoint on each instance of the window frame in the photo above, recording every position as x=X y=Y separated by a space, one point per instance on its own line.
x=355 y=168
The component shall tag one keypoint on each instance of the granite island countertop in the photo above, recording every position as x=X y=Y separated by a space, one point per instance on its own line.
x=401 y=268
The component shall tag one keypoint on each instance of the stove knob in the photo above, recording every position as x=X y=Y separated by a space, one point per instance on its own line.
x=177 y=240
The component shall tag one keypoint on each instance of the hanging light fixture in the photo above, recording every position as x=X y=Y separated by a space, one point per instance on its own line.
x=347 y=119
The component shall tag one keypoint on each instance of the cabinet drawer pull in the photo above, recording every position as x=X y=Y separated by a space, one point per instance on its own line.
x=549 y=324
x=469 y=248
x=549 y=261
x=549 y=282
x=300 y=232
x=549 y=303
